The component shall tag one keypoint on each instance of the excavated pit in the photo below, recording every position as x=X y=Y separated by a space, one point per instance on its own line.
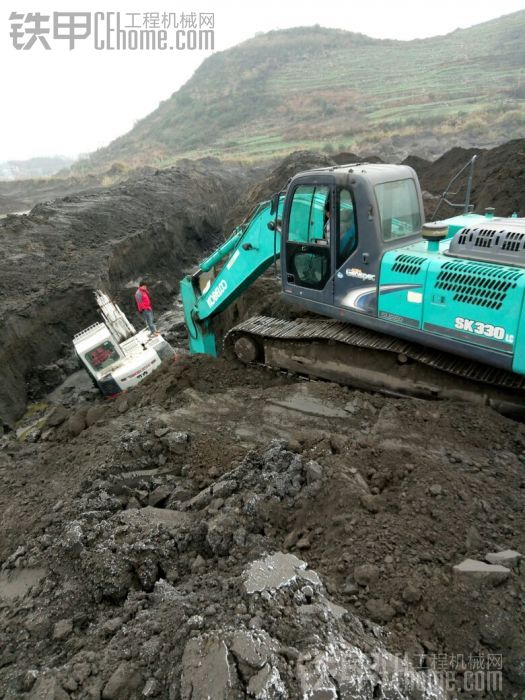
x=153 y=227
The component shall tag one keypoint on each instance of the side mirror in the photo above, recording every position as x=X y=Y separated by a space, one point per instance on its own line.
x=275 y=224
x=275 y=203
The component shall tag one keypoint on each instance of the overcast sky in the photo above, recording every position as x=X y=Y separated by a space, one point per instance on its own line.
x=66 y=102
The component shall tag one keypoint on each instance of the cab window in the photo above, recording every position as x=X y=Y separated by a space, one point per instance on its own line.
x=398 y=209
x=308 y=242
x=102 y=356
x=347 y=238
x=309 y=215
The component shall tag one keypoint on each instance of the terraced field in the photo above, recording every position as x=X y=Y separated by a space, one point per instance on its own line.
x=335 y=90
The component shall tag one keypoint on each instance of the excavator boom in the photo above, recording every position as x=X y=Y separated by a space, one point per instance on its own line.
x=223 y=276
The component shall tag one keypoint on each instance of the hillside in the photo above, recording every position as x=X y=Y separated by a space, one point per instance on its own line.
x=333 y=90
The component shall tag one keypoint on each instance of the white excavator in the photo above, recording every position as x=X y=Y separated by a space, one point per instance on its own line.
x=114 y=354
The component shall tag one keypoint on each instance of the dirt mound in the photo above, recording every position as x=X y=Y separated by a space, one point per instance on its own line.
x=139 y=547
x=348 y=157
x=420 y=165
x=499 y=177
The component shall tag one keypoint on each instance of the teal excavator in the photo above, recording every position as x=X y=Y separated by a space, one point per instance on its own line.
x=387 y=302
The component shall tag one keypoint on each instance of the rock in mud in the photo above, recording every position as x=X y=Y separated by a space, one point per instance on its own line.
x=252 y=647
x=94 y=414
x=276 y=571
x=123 y=684
x=267 y=684
x=77 y=423
x=508 y=557
x=206 y=671
x=48 y=688
x=411 y=594
x=314 y=471
x=371 y=503
x=473 y=571
x=159 y=496
x=62 y=629
x=366 y=574
x=57 y=416
x=176 y=441
x=473 y=540
x=379 y=610
x=150 y=516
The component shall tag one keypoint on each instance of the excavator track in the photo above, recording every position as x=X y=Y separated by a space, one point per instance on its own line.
x=338 y=351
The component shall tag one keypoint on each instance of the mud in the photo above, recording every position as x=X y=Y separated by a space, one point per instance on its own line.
x=21 y=194
x=229 y=532
x=498 y=181
x=153 y=526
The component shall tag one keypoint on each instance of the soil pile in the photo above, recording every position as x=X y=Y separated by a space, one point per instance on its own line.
x=236 y=533
x=275 y=181
x=498 y=181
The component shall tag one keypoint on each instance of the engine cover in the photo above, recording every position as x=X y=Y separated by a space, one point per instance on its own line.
x=499 y=240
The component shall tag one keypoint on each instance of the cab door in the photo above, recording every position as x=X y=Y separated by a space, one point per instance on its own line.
x=309 y=227
x=356 y=266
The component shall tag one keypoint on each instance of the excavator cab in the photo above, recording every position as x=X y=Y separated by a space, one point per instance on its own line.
x=337 y=224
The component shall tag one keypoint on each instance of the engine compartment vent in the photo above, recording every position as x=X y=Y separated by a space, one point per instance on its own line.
x=477 y=284
x=504 y=246
x=408 y=264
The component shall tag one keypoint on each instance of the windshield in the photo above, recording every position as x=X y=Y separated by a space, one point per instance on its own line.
x=398 y=209
x=102 y=356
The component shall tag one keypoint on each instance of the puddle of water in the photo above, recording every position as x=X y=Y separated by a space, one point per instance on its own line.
x=76 y=383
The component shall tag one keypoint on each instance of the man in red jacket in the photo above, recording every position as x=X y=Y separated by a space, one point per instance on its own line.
x=144 y=307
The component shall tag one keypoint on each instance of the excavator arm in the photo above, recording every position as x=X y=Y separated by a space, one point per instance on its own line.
x=228 y=272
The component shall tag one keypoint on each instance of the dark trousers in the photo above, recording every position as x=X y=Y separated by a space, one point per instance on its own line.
x=150 y=321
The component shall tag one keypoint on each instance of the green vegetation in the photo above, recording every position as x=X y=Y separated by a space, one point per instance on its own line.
x=319 y=88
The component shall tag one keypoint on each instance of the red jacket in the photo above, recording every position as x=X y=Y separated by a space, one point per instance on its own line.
x=142 y=299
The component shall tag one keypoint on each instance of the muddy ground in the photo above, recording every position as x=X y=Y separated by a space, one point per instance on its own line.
x=21 y=195
x=230 y=532
x=131 y=526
